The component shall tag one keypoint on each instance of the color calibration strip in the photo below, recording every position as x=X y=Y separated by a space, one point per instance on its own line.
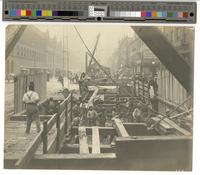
x=43 y=13
x=150 y=14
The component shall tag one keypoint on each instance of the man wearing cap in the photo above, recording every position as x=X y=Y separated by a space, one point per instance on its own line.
x=92 y=116
x=31 y=98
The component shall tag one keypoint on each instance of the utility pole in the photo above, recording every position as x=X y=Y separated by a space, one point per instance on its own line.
x=67 y=55
x=63 y=48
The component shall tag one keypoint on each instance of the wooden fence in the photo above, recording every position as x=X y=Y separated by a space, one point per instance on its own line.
x=62 y=120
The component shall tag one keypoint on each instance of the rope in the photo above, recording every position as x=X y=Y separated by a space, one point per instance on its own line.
x=92 y=56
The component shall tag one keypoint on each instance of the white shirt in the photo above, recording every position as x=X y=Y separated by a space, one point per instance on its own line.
x=136 y=113
x=151 y=92
x=30 y=97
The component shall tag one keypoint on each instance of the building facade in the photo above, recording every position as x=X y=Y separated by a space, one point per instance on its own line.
x=141 y=60
x=34 y=49
x=170 y=90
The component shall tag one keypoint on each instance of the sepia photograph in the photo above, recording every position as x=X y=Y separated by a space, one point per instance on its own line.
x=99 y=97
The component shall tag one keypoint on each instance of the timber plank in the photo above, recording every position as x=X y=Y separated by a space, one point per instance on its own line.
x=95 y=141
x=102 y=130
x=178 y=128
x=121 y=131
x=75 y=156
x=83 y=149
x=164 y=126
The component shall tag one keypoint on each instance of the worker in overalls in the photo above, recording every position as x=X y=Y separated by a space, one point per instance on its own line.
x=31 y=98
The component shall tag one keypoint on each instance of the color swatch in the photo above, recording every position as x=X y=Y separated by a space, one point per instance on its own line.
x=136 y=14
x=43 y=13
x=150 y=14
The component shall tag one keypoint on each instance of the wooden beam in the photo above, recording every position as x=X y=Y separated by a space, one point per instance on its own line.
x=74 y=148
x=164 y=126
x=74 y=156
x=94 y=50
x=23 y=117
x=178 y=128
x=83 y=149
x=95 y=141
x=92 y=98
x=121 y=131
x=102 y=130
x=157 y=42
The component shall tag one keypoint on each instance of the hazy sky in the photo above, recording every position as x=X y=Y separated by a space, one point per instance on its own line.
x=108 y=42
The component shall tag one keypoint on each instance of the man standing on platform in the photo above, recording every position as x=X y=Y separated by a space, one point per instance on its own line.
x=92 y=116
x=31 y=98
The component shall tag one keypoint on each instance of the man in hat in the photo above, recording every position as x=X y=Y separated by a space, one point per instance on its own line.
x=92 y=116
x=31 y=98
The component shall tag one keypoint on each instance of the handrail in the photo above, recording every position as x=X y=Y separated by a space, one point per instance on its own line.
x=28 y=154
x=42 y=136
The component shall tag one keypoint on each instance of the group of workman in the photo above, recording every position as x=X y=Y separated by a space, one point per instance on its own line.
x=96 y=115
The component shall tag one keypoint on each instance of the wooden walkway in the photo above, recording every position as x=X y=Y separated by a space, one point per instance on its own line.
x=16 y=140
x=21 y=147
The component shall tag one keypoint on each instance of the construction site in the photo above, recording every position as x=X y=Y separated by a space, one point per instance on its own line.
x=110 y=97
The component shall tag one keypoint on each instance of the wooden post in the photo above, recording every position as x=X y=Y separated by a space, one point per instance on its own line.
x=58 y=131
x=83 y=144
x=86 y=62
x=66 y=115
x=95 y=141
x=71 y=111
x=44 y=137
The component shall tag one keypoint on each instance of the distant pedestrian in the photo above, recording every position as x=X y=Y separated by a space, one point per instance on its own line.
x=31 y=99
x=61 y=80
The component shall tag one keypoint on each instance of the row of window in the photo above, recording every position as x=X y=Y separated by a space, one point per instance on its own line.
x=176 y=34
x=23 y=51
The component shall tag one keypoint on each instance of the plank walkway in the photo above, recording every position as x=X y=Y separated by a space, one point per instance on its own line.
x=16 y=141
